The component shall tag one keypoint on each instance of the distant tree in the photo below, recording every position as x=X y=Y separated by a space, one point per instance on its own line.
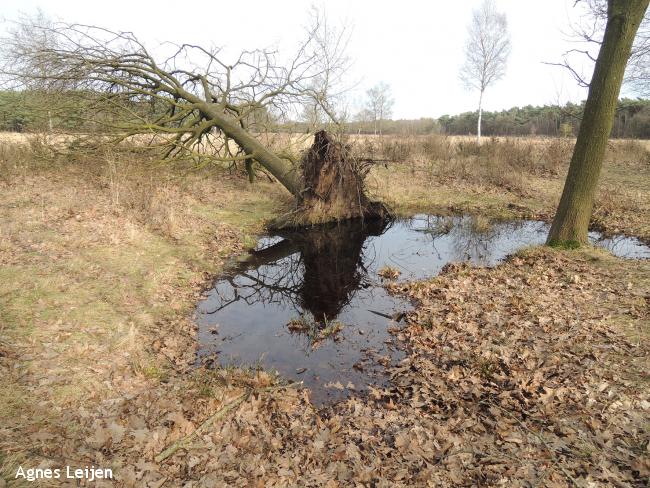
x=486 y=52
x=41 y=88
x=571 y=222
x=313 y=115
x=379 y=105
x=362 y=125
x=15 y=115
x=566 y=130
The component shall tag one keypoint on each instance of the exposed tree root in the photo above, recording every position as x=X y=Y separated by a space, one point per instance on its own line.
x=333 y=187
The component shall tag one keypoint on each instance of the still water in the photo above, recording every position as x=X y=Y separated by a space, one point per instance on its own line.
x=276 y=308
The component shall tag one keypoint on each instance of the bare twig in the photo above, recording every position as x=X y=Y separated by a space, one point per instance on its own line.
x=183 y=443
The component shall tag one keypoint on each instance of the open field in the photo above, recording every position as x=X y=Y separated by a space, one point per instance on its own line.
x=102 y=261
x=514 y=177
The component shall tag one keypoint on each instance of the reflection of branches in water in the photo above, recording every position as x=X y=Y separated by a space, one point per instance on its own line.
x=472 y=242
x=471 y=239
x=435 y=227
x=316 y=271
x=614 y=244
x=366 y=261
x=622 y=246
x=278 y=283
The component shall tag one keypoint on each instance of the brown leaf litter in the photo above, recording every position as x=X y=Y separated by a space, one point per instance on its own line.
x=513 y=378
x=533 y=373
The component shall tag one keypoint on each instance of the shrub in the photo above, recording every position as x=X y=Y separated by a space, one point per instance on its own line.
x=397 y=149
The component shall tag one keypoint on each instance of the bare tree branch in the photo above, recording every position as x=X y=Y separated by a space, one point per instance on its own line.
x=588 y=31
x=193 y=100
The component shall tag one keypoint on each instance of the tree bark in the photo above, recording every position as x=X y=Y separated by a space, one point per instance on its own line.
x=480 y=114
x=282 y=170
x=571 y=223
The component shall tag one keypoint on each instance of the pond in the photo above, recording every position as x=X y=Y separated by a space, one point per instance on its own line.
x=311 y=304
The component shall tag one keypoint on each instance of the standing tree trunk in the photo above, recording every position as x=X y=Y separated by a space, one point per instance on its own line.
x=480 y=114
x=250 y=170
x=571 y=222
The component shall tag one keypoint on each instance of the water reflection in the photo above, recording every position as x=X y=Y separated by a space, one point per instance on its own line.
x=332 y=274
x=316 y=271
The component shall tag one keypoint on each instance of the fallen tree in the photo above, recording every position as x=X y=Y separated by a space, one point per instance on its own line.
x=333 y=186
x=192 y=104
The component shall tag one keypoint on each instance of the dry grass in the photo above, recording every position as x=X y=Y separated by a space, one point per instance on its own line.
x=507 y=178
x=102 y=259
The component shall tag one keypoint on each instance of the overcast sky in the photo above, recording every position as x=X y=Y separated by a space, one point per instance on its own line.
x=414 y=46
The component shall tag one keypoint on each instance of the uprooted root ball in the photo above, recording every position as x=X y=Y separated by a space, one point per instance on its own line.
x=333 y=186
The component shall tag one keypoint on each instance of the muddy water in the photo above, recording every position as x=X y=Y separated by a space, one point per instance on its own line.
x=278 y=307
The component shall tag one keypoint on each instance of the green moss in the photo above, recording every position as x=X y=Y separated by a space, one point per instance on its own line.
x=153 y=371
x=561 y=244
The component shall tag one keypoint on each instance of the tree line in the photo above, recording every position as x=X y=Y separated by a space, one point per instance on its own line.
x=22 y=111
x=631 y=121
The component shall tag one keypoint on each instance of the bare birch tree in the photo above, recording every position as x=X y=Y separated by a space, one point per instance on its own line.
x=486 y=52
x=379 y=105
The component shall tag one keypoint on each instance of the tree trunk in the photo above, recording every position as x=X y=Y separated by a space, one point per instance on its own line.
x=571 y=223
x=282 y=170
x=480 y=114
x=250 y=170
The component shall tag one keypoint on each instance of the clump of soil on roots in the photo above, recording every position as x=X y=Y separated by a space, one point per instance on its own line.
x=333 y=186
